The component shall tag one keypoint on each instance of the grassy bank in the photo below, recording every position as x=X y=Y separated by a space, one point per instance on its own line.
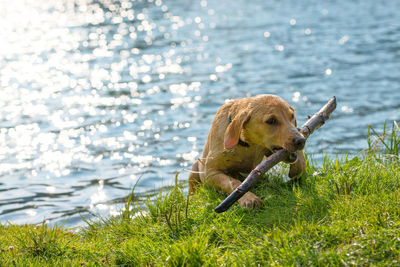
x=343 y=213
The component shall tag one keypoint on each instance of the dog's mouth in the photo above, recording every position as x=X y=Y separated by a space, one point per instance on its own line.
x=276 y=148
x=292 y=155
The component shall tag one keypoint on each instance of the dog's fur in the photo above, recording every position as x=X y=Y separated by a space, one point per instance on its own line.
x=242 y=133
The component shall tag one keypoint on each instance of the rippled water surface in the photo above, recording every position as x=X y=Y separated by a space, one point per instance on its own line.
x=97 y=94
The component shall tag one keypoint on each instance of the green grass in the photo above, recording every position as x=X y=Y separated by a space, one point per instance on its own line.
x=346 y=212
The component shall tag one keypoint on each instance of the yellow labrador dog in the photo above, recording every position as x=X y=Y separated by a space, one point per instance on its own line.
x=242 y=133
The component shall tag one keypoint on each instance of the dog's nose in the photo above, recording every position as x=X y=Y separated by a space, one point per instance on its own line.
x=299 y=142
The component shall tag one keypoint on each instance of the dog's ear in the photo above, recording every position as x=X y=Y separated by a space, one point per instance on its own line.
x=294 y=114
x=232 y=132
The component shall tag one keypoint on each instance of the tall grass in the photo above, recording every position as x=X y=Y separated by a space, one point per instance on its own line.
x=386 y=143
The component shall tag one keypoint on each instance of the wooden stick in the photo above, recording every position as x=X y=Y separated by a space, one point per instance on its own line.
x=313 y=123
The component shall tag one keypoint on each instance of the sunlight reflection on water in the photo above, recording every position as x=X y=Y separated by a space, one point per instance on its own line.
x=96 y=95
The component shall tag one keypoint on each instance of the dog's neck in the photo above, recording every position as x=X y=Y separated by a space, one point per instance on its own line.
x=241 y=142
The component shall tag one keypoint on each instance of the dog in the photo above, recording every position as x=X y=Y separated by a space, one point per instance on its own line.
x=243 y=132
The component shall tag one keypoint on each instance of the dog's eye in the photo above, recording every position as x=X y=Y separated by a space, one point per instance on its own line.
x=272 y=121
x=292 y=116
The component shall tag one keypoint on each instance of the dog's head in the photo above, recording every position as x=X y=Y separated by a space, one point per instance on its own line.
x=265 y=120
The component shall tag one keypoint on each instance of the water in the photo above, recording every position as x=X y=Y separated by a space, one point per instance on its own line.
x=95 y=95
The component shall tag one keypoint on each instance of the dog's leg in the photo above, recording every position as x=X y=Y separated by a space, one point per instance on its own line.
x=227 y=184
x=299 y=166
x=194 y=178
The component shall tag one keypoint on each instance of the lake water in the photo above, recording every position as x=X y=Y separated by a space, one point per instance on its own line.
x=95 y=95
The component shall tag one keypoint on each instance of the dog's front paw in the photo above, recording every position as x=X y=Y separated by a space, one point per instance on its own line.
x=249 y=200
